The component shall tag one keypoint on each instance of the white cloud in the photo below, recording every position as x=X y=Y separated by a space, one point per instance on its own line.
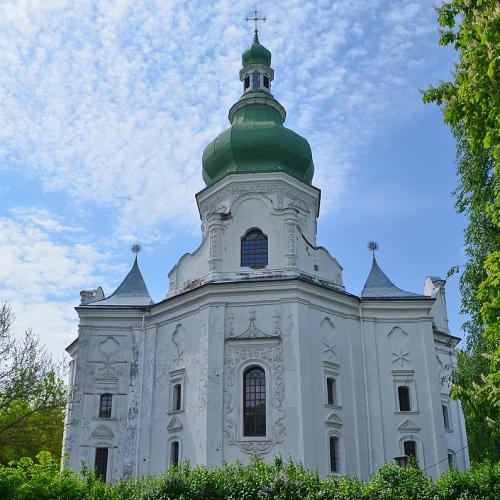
x=42 y=270
x=113 y=102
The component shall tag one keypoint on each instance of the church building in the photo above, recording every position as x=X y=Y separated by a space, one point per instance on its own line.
x=258 y=348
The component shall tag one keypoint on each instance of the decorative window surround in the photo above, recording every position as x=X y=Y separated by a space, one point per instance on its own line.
x=405 y=378
x=176 y=377
x=332 y=370
x=340 y=455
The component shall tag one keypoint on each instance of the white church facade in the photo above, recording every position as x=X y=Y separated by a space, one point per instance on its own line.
x=258 y=348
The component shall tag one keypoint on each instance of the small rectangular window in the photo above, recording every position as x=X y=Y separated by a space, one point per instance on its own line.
x=446 y=417
x=266 y=81
x=334 y=452
x=177 y=397
x=101 y=463
x=247 y=82
x=105 y=405
x=330 y=390
x=404 y=398
x=451 y=459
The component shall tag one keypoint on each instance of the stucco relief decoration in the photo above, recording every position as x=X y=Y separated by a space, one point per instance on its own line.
x=212 y=262
x=234 y=358
x=231 y=193
x=399 y=338
x=108 y=348
x=292 y=257
x=253 y=332
x=401 y=357
x=202 y=390
x=329 y=332
x=178 y=354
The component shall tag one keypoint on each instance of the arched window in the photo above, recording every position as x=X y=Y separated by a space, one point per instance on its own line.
x=404 y=398
x=334 y=454
x=174 y=452
x=254 y=249
x=105 y=405
x=254 y=402
x=410 y=448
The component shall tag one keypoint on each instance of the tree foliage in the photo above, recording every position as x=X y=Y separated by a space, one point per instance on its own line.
x=32 y=395
x=43 y=479
x=471 y=105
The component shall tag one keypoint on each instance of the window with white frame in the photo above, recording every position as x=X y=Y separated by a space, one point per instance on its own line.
x=331 y=374
x=176 y=391
x=333 y=448
x=404 y=398
x=405 y=395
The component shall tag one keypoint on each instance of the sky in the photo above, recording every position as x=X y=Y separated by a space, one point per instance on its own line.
x=106 y=107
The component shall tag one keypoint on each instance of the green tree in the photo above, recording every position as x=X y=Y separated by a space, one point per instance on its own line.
x=470 y=105
x=32 y=395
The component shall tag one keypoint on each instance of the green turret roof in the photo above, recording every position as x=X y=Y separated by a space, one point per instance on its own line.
x=257 y=141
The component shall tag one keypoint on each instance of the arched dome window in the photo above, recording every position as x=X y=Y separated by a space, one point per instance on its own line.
x=254 y=249
x=254 y=401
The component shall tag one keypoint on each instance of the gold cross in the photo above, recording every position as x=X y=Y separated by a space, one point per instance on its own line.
x=255 y=18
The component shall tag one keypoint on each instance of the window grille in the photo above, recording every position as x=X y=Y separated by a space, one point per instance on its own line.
x=254 y=402
x=254 y=250
x=105 y=405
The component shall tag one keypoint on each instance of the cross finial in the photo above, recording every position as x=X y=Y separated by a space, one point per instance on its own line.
x=255 y=18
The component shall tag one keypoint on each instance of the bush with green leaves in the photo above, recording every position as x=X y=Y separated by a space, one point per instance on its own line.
x=42 y=479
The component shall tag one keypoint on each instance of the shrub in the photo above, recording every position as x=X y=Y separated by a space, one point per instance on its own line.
x=42 y=479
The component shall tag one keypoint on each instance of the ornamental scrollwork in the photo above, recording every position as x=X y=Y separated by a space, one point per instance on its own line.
x=235 y=356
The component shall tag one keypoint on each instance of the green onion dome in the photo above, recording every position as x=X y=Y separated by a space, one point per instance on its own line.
x=256 y=54
x=257 y=141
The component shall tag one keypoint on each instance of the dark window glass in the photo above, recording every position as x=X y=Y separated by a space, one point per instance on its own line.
x=410 y=448
x=334 y=453
x=446 y=417
x=254 y=402
x=330 y=390
x=254 y=250
x=174 y=452
x=177 y=397
x=101 y=463
x=247 y=82
x=451 y=459
x=404 y=398
x=105 y=405
x=266 y=81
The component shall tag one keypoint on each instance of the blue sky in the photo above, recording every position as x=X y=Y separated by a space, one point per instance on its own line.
x=105 y=108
